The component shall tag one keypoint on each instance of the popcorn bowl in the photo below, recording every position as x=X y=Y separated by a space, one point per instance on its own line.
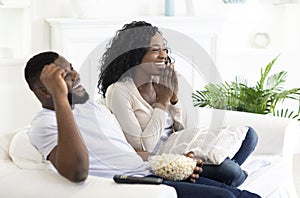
x=172 y=167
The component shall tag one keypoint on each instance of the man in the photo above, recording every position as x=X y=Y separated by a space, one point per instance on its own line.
x=80 y=137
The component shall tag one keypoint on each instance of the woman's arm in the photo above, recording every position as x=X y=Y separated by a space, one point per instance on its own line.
x=143 y=154
x=167 y=89
x=176 y=114
x=121 y=102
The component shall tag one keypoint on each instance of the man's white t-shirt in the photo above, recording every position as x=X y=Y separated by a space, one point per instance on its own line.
x=109 y=152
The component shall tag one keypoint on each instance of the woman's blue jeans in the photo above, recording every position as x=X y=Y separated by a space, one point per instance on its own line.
x=206 y=188
x=229 y=172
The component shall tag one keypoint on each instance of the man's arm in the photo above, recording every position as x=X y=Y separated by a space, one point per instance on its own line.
x=70 y=156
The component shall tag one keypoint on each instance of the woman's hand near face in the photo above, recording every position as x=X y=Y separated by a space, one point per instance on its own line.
x=165 y=87
x=174 y=98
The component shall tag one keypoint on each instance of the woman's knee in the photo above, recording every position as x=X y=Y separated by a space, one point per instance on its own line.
x=234 y=175
x=252 y=136
x=238 y=179
x=228 y=172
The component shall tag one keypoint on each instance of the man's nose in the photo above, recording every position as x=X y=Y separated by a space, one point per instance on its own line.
x=75 y=75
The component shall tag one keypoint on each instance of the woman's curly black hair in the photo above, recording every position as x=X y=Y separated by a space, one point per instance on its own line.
x=124 y=51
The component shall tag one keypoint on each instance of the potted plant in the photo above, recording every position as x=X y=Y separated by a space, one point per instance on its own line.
x=263 y=98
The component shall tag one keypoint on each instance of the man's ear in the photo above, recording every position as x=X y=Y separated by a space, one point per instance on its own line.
x=43 y=93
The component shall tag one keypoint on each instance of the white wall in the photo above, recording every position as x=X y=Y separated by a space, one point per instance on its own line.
x=43 y=9
x=236 y=57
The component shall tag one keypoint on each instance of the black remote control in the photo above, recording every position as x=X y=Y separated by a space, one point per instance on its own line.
x=137 y=180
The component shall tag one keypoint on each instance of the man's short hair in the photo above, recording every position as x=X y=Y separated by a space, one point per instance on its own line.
x=36 y=64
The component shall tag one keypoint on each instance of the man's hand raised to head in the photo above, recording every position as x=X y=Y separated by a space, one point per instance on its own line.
x=52 y=77
x=70 y=155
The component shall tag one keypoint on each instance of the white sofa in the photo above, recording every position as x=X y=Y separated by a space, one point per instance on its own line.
x=27 y=175
x=277 y=141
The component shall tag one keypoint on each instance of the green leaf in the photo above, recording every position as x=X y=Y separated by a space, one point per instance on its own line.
x=262 y=98
x=264 y=73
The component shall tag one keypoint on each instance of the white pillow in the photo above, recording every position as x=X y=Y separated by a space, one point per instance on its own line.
x=23 y=153
x=210 y=145
x=4 y=145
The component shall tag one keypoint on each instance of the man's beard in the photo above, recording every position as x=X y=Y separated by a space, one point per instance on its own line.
x=76 y=99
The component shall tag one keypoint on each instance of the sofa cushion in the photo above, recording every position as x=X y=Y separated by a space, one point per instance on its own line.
x=271 y=179
x=5 y=140
x=23 y=153
x=4 y=145
x=212 y=146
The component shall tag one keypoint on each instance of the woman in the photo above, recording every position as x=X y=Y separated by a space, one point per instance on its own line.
x=148 y=108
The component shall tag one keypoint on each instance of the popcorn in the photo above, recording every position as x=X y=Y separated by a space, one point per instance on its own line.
x=172 y=167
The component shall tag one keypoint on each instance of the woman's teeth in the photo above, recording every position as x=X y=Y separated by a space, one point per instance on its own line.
x=160 y=64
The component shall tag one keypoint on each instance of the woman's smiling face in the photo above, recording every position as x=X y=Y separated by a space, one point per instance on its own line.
x=154 y=60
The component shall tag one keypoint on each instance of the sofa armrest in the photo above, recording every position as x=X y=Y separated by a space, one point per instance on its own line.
x=277 y=135
x=34 y=183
